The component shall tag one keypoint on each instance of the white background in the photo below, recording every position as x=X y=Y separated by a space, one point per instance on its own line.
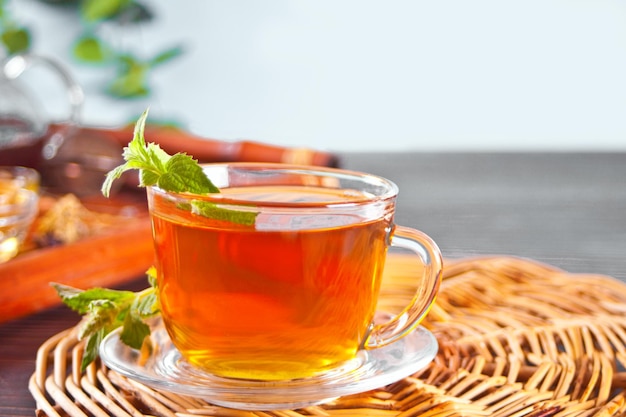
x=372 y=75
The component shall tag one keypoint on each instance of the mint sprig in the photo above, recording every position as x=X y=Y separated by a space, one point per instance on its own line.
x=105 y=310
x=178 y=173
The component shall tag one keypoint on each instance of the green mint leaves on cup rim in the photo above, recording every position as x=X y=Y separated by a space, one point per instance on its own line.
x=212 y=211
x=178 y=173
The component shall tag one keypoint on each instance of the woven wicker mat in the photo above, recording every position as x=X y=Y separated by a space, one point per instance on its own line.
x=516 y=337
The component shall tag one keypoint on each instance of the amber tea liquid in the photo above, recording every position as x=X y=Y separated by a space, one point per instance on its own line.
x=290 y=297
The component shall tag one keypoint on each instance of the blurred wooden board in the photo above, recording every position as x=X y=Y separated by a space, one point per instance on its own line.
x=120 y=253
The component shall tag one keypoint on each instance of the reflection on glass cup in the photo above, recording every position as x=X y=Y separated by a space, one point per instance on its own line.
x=277 y=277
x=18 y=209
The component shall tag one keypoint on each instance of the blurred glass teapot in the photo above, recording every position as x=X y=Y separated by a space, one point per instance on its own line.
x=68 y=159
x=23 y=124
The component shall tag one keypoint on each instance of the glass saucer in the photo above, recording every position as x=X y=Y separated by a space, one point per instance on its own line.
x=167 y=370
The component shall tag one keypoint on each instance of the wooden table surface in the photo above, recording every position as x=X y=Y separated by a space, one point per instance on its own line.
x=568 y=210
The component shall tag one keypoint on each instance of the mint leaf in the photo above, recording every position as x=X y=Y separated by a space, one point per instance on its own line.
x=166 y=56
x=16 y=40
x=103 y=314
x=134 y=331
x=94 y=10
x=90 y=48
x=151 y=273
x=81 y=301
x=183 y=174
x=92 y=348
x=213 y=211
x=147 y=305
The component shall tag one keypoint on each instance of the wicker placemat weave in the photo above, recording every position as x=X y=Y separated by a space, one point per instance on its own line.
x=516 y=337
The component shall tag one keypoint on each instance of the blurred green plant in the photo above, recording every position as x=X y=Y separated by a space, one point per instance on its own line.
x=132 y=72
x=14 y=37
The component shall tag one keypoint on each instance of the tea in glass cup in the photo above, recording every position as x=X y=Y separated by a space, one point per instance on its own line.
x=277 y=276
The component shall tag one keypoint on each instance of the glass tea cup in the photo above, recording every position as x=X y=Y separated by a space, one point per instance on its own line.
x=15 y=177
x=277 y=276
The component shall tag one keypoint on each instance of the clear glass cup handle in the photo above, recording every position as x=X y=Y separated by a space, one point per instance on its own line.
x=424 y=297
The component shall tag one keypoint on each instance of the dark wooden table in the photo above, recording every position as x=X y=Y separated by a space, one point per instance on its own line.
x=568 y=210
